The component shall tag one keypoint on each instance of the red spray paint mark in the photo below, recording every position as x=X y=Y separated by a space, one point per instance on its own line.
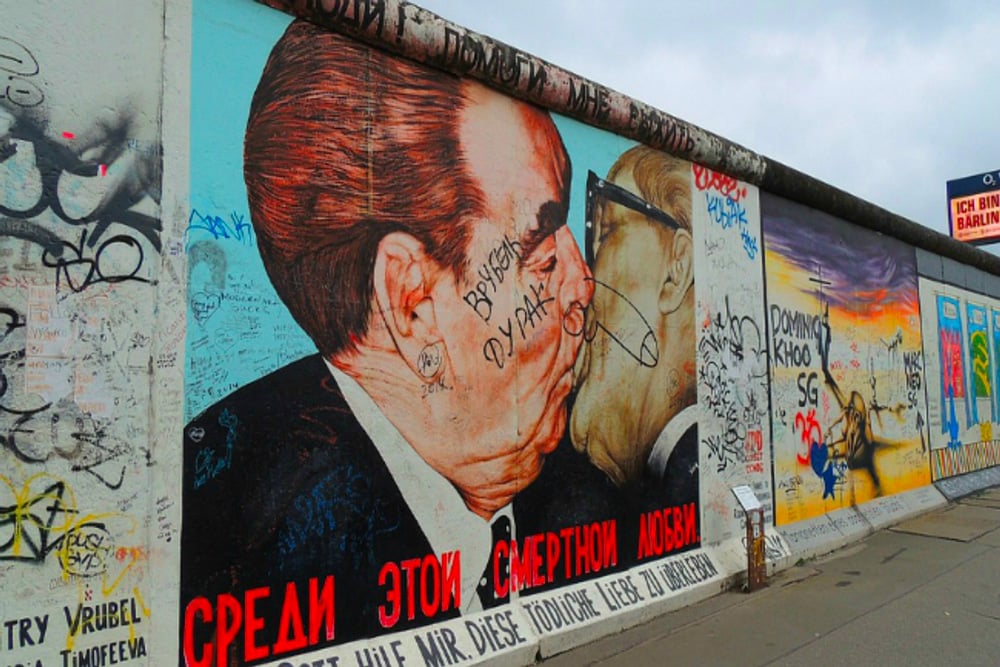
x=69 y=135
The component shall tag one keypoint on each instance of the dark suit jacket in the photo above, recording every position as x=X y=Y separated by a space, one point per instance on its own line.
x=281 y=483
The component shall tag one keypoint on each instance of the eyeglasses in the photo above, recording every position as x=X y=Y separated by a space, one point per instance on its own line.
x=632 y=332
x=597 y=187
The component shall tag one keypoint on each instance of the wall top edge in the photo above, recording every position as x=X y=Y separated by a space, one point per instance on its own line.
x=413 y=32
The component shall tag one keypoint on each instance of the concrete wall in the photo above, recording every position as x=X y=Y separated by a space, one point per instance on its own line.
x=91 y=289
x=317 y=353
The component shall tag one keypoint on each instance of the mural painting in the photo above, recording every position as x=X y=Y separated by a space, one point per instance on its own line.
x=635 y=410
x=419 y=233
x=849 y=422
x=962 y=352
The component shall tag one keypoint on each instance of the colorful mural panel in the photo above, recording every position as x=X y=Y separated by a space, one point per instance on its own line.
x=849 y=419
x=963 y=409
x=427 y=362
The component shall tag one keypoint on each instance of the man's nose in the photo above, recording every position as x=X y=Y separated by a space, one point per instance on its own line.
x=578 y=283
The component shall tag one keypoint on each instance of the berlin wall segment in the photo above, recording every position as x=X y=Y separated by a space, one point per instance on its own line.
x=464 y=379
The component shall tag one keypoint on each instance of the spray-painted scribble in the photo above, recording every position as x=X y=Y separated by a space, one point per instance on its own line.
x=17 y=69
x=733 y=355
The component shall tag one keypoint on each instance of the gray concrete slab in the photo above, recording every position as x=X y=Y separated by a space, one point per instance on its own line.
x=895 y=598
x=929 y=264
x=953 y=272
x=993 y=503
x=991 y=539
x=963 y=485
x=956 y=522
x=988 y=494
x=946 y=621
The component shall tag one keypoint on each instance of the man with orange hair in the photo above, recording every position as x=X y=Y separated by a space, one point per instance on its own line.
x=414 y=225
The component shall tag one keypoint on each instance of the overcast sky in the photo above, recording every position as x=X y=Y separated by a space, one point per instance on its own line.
x=886 y=99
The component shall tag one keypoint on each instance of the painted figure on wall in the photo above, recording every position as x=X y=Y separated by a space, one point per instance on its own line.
x=844 y=324
x=414 y=225
x=635 y=411
x=850 y=438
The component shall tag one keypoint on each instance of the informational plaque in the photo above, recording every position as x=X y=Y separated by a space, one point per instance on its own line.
x=746 y=497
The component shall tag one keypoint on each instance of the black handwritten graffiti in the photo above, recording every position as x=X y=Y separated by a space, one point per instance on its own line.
x=118 y=259
x=86 y=550
x=893 y=344
x=913 y=367
x=42 y=519
x=732 y=375
x=429 y=360
x=90 y=447
x=13 y=321
x=34 y=522
x=635 y=335
x=96 y=449
x=10 y=321
x=736 y=337
x=29 y=231
x=17 y=67
x=726 y=447
x=773 y=547
x=360 y=14
x=589 y=99
x=491 y=275
x=526 y=318
x=491 y=60
x=657 y=129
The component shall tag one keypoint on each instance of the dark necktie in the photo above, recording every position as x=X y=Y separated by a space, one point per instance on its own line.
x=500 y=528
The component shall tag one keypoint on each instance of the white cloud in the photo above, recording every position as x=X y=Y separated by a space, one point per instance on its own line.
x=885 y=100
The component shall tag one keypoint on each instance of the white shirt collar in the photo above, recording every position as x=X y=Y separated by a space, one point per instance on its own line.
x=667 y=440
x=442 y=515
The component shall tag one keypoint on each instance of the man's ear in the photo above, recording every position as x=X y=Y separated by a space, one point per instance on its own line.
x=403 y=277
x=680 y=273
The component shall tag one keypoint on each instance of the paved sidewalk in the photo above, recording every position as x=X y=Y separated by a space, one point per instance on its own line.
x=925 y=592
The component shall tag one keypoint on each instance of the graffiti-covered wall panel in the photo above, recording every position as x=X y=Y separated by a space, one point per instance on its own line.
x=961 y=348
x=732 y=350
x=849 y=415
x=313 y=352
x=80 y=244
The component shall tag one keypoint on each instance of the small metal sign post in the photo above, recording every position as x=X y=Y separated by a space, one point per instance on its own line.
x=753 y=513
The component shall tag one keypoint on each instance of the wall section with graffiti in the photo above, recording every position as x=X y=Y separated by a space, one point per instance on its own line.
x=81 y=248
x=316 y=353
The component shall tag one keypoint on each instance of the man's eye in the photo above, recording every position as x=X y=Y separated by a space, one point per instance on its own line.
x=549 y=265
